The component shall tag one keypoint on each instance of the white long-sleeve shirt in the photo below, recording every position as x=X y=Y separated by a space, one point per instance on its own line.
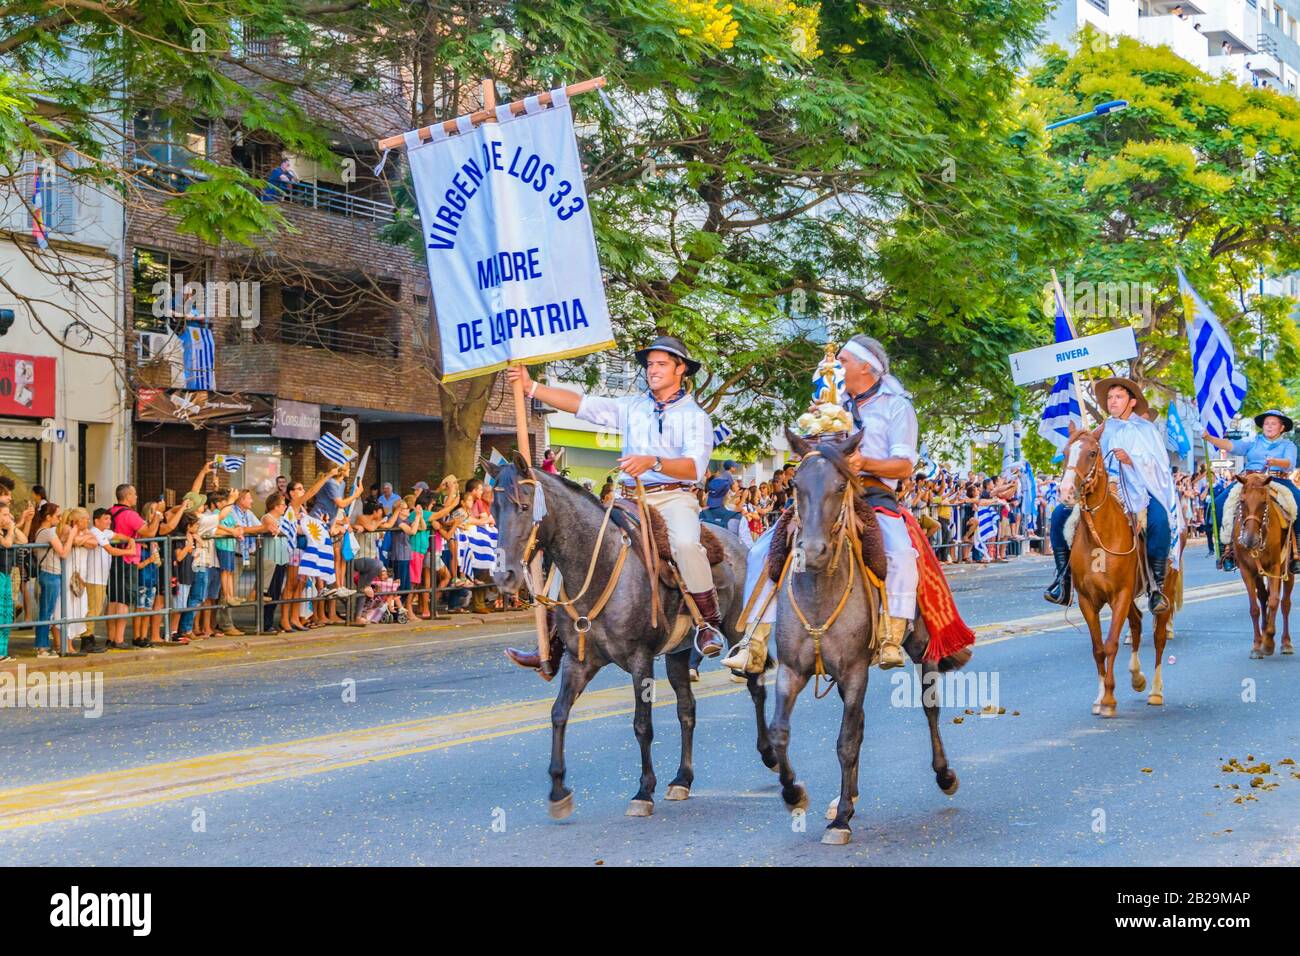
x=687 y=430
x=889 y=428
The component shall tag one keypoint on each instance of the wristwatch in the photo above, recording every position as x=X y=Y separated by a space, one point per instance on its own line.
x=659 y=464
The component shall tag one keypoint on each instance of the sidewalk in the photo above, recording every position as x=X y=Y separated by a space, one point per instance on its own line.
x=21 y=642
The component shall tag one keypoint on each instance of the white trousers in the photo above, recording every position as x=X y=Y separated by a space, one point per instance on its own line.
x=681 y=513
x=901 y=574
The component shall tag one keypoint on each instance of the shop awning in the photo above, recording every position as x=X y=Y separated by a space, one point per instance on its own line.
x=21 y=429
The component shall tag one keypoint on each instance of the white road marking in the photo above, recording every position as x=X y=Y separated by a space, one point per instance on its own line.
x=343 y=683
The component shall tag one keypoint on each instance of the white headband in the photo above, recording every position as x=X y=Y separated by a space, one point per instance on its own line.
x=863 y=354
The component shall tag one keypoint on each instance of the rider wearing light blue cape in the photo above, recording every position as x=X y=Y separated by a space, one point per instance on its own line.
x=1268 y=451
x=1137 y=461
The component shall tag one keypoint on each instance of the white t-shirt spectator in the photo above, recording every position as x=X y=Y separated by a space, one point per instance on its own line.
x=98 y=560
x=205 y=556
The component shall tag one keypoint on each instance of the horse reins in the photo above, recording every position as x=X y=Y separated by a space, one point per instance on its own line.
x=1107 y=495
x=1283 y=562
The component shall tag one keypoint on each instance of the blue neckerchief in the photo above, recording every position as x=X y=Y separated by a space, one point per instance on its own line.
x=661 y=406
x=855 y=400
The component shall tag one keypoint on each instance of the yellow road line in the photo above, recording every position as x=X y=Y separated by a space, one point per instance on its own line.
x=194 y=776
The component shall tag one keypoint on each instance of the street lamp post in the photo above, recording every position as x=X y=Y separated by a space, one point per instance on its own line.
x=1101 y=109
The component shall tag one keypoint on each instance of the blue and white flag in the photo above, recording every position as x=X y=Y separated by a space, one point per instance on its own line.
x=1062 y=402
x=988 y=527
x=289 y=527
x=1176 y=432
x=498 y=459
x=720 y=435
x=199 y=352
x=1220 y=387
x=477 y=545
x=1029 y=495
x=508 y=239
x=230 y=463
x=332 y=447
x=318 y=557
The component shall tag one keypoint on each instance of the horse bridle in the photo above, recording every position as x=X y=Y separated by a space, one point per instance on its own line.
x=1243 y=517
x=1085 y=489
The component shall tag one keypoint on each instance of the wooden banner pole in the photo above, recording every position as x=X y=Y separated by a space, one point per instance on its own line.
x=489 y=111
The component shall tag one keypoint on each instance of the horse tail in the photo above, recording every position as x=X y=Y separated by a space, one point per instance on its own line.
x=955 y=662
x=1178 y=592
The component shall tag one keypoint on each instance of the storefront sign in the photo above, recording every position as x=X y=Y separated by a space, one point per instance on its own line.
x=27 y=385
x=197 y=408
x=298 y=420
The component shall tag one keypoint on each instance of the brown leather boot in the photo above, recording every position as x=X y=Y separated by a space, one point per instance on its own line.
x=533 y=661
x=709 y=640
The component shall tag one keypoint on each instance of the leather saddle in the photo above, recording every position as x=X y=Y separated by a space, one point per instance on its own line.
x=627 y=516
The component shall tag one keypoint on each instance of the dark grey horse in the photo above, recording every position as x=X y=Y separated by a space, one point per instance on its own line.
x=621 y=634
x=819 y=488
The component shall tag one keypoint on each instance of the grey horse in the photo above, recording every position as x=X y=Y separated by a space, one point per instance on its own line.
x=622 y=633
x=820 y=483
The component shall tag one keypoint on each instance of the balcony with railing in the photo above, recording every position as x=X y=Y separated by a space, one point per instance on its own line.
x=1233 y=21
x=1180 y=35
x=333 y=200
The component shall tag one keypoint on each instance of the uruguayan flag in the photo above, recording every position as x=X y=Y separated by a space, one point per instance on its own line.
x=318 y=557
x=477 y=546
x=1051 y=494
x=988 y=524
x=1220 y=387
x=1029 y=496
x=289 y=527
x=332 y=447
x=1062 y=402
x=199 y=351
x=720 y=435
x=230 y=463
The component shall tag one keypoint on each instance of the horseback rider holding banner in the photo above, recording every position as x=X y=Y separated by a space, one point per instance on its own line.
x=1137 y=461
x=667 y=440
x=1267 y=452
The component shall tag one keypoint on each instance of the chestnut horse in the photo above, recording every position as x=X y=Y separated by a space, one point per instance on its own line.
x=1262 y=545
x=1104 y=561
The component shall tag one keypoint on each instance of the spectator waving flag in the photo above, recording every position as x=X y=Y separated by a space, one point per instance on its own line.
x=988 y=524
x=38 y=207
x=332 y=447
x=720 y=435
x=1220 y=387
x=200 y=352
x=289 y=527
x=318 y=557
x=1062 y=402
x=230 y=463
x=477 y=545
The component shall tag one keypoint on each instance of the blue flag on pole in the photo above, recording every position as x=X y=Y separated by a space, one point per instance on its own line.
x=1062 y=402
x=1177 y=433
x=332 y=447
x=1220 y=386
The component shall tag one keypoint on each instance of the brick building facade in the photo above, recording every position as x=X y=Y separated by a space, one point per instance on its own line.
x=343 y=321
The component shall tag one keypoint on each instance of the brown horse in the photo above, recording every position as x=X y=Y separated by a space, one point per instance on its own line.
x=1262 y=543
x=1104 y=560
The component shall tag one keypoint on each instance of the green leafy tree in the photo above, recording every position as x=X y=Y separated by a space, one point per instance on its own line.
x=1198 y=172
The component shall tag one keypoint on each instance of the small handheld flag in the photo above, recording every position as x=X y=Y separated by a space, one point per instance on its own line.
x=289 y=527
x=332 y=447
x=720 y=435
x=229 y=463
x=1176 y=432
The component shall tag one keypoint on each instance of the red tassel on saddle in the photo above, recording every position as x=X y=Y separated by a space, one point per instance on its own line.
x=948 y=632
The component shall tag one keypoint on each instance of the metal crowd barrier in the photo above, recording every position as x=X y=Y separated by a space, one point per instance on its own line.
x=252 y=565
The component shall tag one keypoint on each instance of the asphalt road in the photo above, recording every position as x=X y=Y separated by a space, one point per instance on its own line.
x=426 y=746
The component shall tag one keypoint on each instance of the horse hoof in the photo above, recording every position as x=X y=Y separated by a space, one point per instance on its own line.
x=1156 y=700
x=1287 y=649
x=1139 y=682
x=1128 y=639
x=1096 y=709
x=640 y=808
x=801 y=801
x=677 y=792
x=770 y=762
x=833 y=808
x=1106 y=710
x=836 y=837
x=559 y=809
x=952 y=785
x=1256 y=654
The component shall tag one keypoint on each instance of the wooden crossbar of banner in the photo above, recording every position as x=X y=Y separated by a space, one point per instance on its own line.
x=488 y=113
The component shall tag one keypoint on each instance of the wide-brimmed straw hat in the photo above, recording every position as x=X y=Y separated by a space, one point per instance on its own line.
x=1287 y=424
x=673 y=346
x=1102 y=389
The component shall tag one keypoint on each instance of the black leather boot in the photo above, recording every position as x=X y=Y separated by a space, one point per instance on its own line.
x=1059 y=592
x=1156 y=600
x=709 y=640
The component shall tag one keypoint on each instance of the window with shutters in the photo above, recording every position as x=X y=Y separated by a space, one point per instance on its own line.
x=57 y=200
